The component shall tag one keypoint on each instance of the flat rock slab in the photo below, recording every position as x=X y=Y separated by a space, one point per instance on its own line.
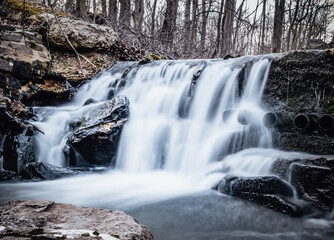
x=50 y=220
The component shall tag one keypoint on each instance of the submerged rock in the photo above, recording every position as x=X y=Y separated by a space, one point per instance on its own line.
x=49 y=220
x=6 y=175
x=44 y=171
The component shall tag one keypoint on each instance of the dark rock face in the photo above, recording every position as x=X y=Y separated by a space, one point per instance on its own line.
x=297 y=79
x=312 y=179
x=44 y=171
x=49 y=220
x=302 y=82
x=96 y=143
x=268 y=191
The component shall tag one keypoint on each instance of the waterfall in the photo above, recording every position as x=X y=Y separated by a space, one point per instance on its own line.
x=175 y=141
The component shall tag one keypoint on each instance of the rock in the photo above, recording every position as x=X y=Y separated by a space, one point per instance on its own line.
x=6 y=175
x=14 y=83
x=34 y=46
x=10 y=154
x=317 y=44
x=113 y=110
x=13 y=37
x=3 y=80
x=21 y=47
x=54 y=76
x=83 y=35
x=7 y=28
x=297 y=79
x=97 y=140
x=22 y=70
x=49 y=220
x=6 y=65
x=301 y=142
x=37 y=68
x=89 y=101
x=97 y=144
x=268 y=191
x=44 y=171
x=314 y=184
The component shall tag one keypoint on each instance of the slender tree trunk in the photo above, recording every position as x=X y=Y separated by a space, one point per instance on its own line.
x=228 y=26
x=237 y=27
x=125 y=13
x=168 y=27
x=81 y=8
x=69 y=6
x=187 y=26
x=219 y=24
x=194 y=22
x=138 y=16
x=263 y=27
x=94 y=10
x=205 y=15
x=104 y=8
x=278 y=26
x=154 y=9
x=113 y=10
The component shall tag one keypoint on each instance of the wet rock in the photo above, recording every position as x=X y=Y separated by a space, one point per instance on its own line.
x=314 y=184
x=111 y=111
x=297 y=80
x=268 y=191
x=89 y=101
x=97 y=145
x=83 y=35
x=10 y=154
x=6 y=175
x=49 y=220
x=44 y=171
x=301 y=142
x=22 y=70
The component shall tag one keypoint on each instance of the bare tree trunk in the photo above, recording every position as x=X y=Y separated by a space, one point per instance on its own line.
x=187 y=25
x=263 y=27
x=205 y=15
x=104 y=8
x=94 y=10
x=236 y=31
x=194 y=22
x=125 y=13
x=138 y=16
x=228 y=26
x=113 y=10
x=81 y=8
x=69 y=6
x=219 y=24
x=168 y=27
x=278 y=25
x=154 y=9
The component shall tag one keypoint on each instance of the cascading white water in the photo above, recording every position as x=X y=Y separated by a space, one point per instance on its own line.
x=175 y=141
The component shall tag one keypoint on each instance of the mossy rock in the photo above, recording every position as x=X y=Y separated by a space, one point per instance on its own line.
x=153 y=57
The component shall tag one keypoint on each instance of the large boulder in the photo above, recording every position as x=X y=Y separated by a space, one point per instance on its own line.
x=49 y=220
x=96 y=143
x=83 y=35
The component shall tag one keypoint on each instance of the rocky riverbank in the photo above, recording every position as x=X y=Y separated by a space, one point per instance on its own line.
x=50 y=220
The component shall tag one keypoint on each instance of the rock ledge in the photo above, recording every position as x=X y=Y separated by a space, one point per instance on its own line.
x=50 y=220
